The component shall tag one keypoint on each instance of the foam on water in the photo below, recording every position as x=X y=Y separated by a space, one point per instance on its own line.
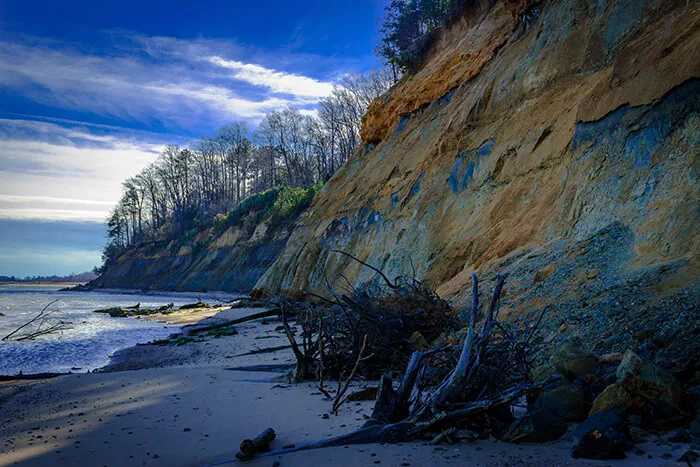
x=92 y=337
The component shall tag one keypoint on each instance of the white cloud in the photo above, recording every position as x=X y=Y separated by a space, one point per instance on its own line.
x=51 y=172
x=277 y=81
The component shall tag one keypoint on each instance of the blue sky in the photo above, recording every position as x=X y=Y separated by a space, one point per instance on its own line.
x=91 y=91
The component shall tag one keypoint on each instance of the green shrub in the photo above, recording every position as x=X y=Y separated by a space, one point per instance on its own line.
x=257 y=202
x=291 y=202
x=279 y=204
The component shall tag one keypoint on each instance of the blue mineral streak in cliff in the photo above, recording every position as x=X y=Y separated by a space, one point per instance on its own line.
x=461 y=173
x=638 y=133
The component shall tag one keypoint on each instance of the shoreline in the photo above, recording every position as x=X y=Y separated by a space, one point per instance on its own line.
x=191 y=403
x=45 y=283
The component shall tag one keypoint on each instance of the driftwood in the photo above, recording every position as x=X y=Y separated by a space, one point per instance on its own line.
x=260 y=444
x=44 y=323
x=249 y=303
x=487 y=378
x=262 y=314
x=264 y=350
x=272 y=368
x=23 y=377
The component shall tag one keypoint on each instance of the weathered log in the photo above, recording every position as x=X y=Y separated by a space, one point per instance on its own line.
x=273 y=368
x=258 y=445
x=262 y=314
x=264 y=350
x=366 y=394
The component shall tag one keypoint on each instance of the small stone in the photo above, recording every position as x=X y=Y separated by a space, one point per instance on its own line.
x=544 y=273
x=681 y=436
x=592 y=274
x=637 y=435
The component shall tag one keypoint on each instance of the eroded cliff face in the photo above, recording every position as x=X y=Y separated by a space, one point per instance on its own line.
x=229 y=261
x=563 y=150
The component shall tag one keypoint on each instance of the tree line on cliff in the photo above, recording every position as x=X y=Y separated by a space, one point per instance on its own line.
x=409 y=26
x=187 y=187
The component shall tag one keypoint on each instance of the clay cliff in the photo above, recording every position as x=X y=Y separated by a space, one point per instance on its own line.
x=558 y=145
x=229 y=255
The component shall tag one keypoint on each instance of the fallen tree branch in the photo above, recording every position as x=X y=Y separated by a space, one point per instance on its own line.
x=339 y=397
x=389 y=284
x=264 y=350
x=262 y=314
x=42 y=318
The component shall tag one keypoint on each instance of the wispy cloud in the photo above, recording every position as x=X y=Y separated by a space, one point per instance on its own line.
x=295 y=85
x=171 y=82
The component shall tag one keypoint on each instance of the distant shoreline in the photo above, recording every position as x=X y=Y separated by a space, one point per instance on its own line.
x=45 y=283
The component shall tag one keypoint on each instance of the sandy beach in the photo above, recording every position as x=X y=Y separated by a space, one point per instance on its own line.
x=185 y=405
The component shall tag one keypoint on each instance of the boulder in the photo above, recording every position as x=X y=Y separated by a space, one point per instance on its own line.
x=650 y=381
x=602 y=436
x=571 y=361
x=614 y=397
x=614 y=357
x=566 y=402
x=539 y=426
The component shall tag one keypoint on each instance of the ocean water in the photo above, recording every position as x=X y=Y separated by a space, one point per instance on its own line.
x=91 y=337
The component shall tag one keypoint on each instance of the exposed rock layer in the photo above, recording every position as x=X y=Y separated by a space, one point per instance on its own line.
x=562 y=149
